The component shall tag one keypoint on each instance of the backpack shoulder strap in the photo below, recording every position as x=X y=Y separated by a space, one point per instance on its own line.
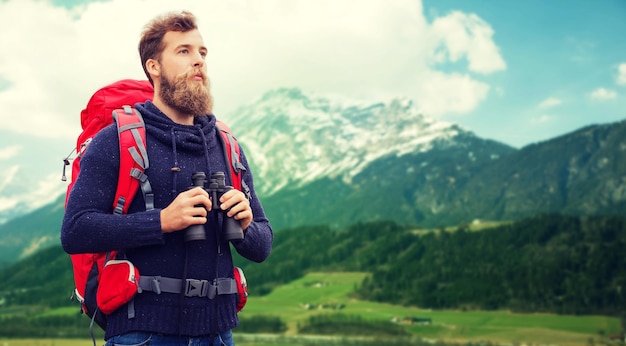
x=232 y=153
x=133 y=160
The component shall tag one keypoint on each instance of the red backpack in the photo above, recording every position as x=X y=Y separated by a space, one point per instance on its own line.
x=111 y=104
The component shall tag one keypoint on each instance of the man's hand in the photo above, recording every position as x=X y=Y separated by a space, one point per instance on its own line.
x=239 y=207
x=188 y=208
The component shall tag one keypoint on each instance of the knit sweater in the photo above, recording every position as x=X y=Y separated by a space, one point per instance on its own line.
x=89 y=225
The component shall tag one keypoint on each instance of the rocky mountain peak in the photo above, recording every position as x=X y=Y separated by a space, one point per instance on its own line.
x=311 y=136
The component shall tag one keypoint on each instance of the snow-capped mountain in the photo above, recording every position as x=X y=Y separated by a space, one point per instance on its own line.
x=326 y=160
x=293 y=138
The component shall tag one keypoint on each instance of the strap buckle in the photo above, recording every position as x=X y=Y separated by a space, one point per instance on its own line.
x=196 y=288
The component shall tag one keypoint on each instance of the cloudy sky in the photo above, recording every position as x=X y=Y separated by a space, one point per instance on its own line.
x=514 y=71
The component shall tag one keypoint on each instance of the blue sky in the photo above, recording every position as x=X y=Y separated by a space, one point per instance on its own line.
x=514 y=71
x=558 y=50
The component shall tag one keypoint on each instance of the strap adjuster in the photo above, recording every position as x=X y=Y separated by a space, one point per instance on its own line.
x=155 y=284
x=119 y=207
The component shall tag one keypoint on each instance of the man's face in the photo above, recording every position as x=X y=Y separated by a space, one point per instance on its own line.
x=184 y=84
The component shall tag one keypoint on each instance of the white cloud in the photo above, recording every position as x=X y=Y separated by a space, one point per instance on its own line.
x=370 y=49
x=602 y=94
x=438 y=100
x=8 y=175
x=467 y=35
x=9 y=152
x=544 y=118
x=550 y=102
x=12 y=194
x=7 y=204
x=621 y=74
x=48 y=190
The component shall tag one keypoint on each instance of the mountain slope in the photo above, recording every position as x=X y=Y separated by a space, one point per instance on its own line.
x=25 y=235
x=461 y=180
x=414 y=188
x=338 y=161
x=294 y=139
x=314 y=156
x=581 y=173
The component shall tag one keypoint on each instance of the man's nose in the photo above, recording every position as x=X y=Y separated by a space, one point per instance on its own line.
x=198 y=61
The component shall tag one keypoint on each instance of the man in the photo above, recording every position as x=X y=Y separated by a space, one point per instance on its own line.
x=181 y=139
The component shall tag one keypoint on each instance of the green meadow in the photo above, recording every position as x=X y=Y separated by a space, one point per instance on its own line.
x=326 y=293
x=330 y=293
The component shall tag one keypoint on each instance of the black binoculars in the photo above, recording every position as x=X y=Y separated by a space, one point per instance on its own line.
x=231 y=229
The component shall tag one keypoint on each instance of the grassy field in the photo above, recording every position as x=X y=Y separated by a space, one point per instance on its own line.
x=320 y=293
x=327 y=293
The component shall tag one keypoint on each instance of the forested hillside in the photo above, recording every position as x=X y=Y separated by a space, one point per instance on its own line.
x=566 y=265
x=552 y=263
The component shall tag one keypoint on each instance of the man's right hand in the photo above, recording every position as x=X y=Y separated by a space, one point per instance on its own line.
x=188 y=208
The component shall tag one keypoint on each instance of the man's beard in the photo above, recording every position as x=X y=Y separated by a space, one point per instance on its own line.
x=187 y=96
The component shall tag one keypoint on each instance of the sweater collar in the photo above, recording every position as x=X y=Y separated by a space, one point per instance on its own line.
x=200 y=136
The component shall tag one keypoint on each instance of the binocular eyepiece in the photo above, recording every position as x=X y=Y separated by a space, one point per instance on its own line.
x=231 y=229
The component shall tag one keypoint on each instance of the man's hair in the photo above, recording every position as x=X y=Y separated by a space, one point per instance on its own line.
x=151 y=43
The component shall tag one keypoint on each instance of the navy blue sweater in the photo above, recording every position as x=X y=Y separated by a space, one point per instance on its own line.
x=89 y=225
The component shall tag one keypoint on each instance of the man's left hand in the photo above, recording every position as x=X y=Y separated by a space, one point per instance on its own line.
x=239 y=206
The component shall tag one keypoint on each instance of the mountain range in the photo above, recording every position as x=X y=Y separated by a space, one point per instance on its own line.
x=334 y=161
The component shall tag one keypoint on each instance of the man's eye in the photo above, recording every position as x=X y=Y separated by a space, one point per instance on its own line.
x=184 y=51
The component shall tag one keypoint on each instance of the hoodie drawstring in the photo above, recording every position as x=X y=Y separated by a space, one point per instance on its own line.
x=206 y=151
x=174 y=169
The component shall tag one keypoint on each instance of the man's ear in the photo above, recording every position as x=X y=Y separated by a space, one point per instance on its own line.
x=154 y=68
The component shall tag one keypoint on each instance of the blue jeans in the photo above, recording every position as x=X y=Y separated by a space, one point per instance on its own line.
x=150 y=339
